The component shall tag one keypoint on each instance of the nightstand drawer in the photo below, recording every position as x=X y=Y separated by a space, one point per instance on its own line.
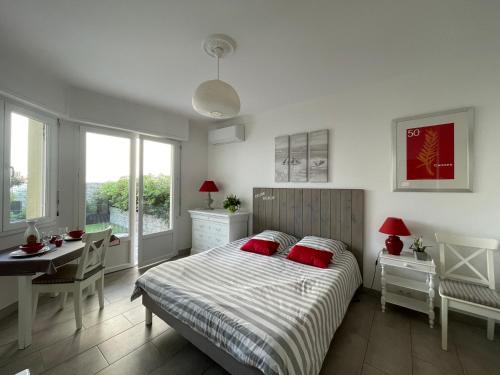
x=218 y=228
x=201 y=226
x=407 y=265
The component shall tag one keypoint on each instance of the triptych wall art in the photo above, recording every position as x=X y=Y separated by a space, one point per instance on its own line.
x=302 y=157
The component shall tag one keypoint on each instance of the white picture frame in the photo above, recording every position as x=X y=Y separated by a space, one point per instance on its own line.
x=433 y=152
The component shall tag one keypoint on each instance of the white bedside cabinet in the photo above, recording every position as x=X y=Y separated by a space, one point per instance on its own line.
x=404 y=263
x=212 y=228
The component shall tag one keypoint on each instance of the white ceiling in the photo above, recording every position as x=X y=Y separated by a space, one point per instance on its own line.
x=287 y=51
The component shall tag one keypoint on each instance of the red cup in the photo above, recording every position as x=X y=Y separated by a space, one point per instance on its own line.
x=58 y=242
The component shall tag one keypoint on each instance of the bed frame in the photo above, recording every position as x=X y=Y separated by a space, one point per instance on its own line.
x=331 y=213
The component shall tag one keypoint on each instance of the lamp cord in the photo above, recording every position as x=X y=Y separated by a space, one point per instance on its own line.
x=375 y=271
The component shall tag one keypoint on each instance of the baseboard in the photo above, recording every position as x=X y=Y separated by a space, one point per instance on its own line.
x=453 y=315
x=184 y=252
x=120 y=267
x=370 y=291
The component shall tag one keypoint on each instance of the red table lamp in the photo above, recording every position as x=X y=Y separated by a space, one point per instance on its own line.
x=209 y=186
x=394 y=226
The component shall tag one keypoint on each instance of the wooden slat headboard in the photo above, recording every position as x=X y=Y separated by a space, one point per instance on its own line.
x=330 y=213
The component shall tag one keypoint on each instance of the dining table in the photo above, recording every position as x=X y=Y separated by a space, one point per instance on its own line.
x=25 y=268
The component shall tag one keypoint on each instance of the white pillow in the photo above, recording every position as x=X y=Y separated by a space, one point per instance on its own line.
x=318 y=243
x=285 y=240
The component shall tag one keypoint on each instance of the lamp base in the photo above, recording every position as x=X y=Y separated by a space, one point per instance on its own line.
x=210 y=201
x=394 y=245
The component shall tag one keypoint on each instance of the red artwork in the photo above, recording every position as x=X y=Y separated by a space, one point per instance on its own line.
x=430 y=152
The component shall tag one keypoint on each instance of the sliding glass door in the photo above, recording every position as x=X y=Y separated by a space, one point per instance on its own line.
x=128 y=183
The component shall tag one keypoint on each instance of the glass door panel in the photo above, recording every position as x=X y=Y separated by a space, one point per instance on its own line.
x=155 y=201
x=107 y=182
x=157 y=187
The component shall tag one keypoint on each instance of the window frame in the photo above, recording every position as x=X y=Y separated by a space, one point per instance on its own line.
x=51 y=156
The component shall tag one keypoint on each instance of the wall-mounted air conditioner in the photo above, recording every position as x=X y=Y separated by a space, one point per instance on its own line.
x=229 y=134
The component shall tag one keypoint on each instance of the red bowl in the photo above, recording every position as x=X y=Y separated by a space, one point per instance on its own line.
x=32 y=248
x=76 y=233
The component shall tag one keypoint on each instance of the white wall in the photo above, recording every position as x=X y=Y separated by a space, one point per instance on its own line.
x=24 y=82
x=95 y=108
x=360 y=146
x=194 y=166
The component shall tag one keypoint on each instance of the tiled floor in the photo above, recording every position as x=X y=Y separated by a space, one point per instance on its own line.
x=116 y=341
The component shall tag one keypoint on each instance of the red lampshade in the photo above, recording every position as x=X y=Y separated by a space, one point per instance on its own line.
x=208 y=186
x=394 y=226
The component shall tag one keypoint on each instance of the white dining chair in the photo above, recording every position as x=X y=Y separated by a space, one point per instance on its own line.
x=463 y=286
x=73 y=278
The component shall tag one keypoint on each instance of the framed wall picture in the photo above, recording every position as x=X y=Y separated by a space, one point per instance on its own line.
x=318 y=156
x=298 y=157
x=433 y=152
x=281 y=158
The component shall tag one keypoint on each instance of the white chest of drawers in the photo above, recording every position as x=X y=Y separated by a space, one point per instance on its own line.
x=212 y=228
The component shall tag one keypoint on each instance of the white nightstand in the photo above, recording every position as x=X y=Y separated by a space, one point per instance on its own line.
x=406 y=262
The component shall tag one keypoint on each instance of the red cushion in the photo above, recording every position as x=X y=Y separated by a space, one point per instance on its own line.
x=260 y=246
x=310 y=256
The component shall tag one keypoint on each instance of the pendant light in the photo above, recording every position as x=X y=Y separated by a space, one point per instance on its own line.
x=216 y=98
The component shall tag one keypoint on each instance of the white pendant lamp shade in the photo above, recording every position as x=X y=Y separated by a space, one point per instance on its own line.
x=216 y=99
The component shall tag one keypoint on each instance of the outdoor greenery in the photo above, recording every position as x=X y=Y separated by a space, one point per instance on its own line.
x=115 y=194
x=17 y=209
x=90 y=228
x=16 y=214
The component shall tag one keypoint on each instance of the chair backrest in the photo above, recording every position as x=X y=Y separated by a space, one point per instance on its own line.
x=94 y=252
x=474 y=247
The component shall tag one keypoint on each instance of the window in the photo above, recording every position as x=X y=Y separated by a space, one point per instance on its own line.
x=29 y=181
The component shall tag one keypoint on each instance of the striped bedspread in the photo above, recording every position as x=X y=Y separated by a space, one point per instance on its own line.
x=267 y=312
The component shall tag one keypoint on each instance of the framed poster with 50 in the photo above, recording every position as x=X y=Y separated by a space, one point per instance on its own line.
x=433 y=152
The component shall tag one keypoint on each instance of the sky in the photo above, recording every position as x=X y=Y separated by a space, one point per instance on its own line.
x=19 y=143
x=108 y=157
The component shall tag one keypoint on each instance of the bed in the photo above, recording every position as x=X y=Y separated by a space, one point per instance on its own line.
x=254 y=314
